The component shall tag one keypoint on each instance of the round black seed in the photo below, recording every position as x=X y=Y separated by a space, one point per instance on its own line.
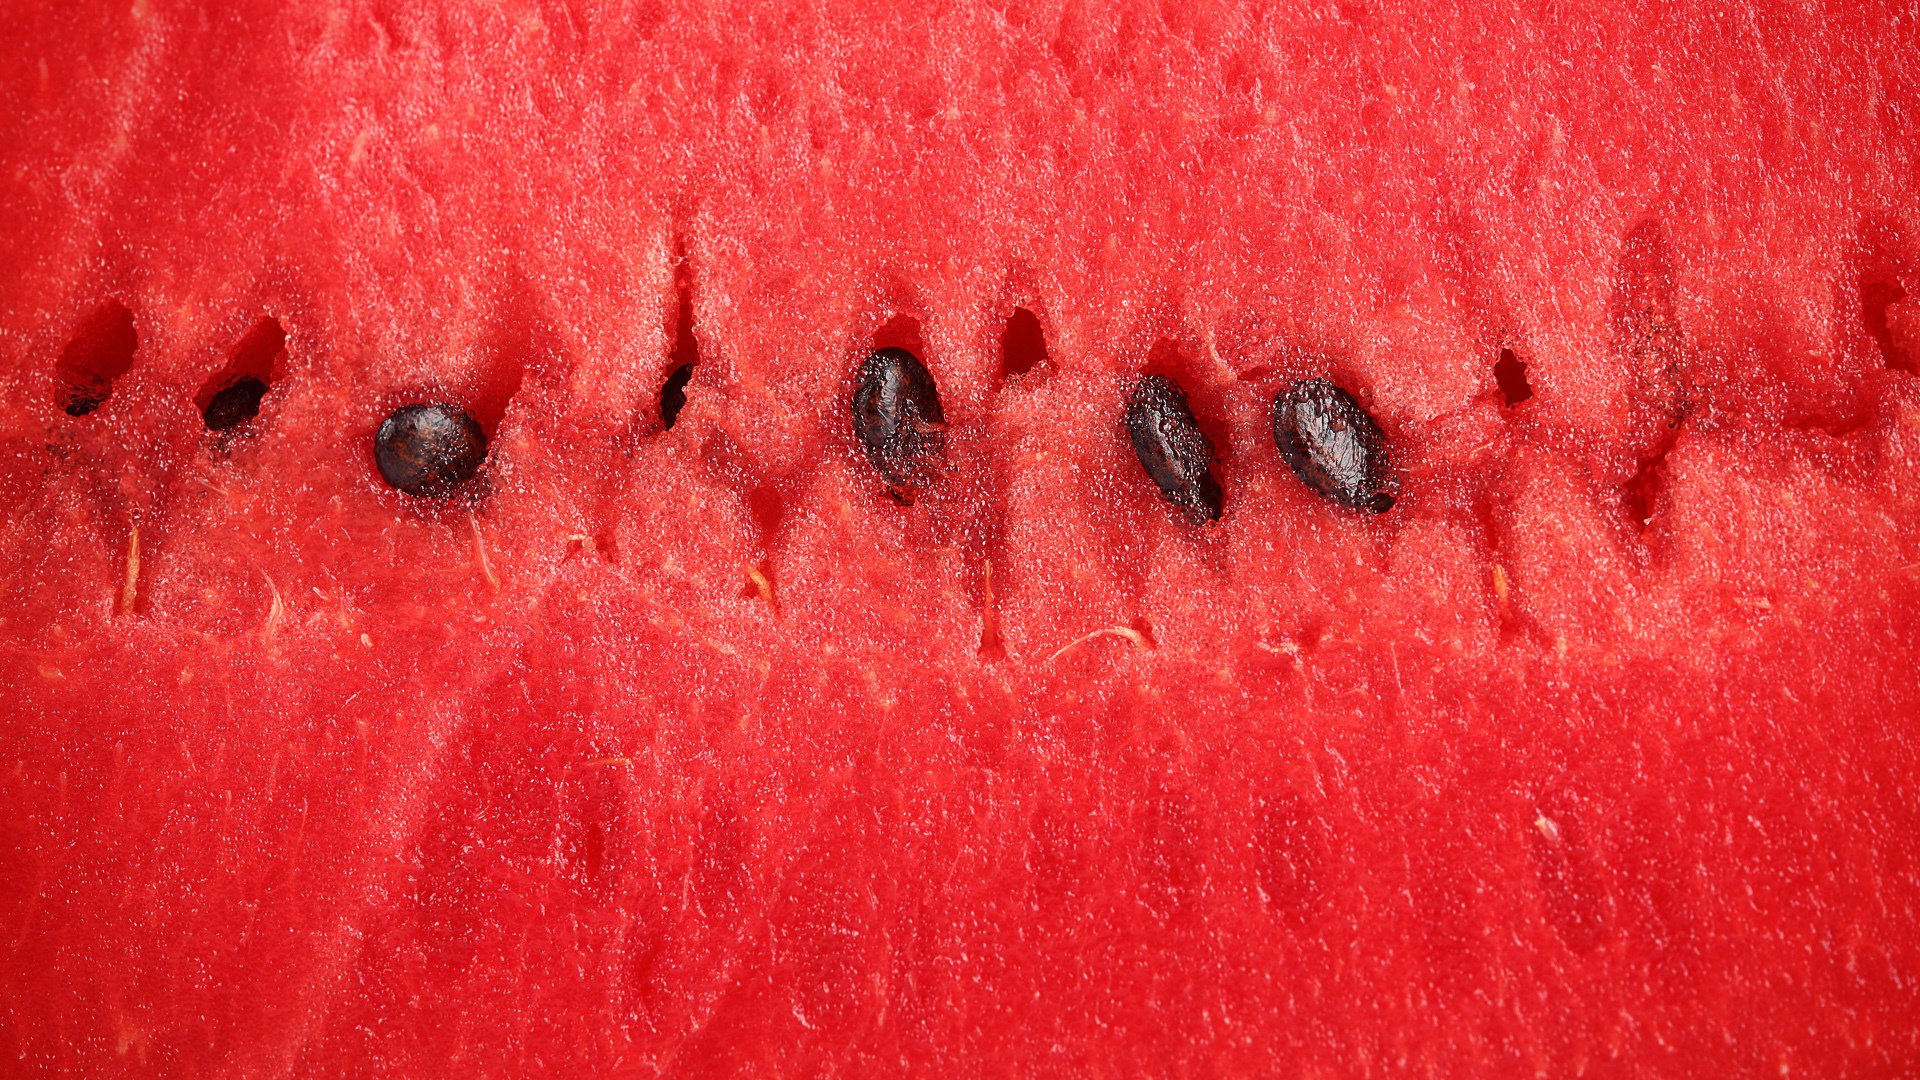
x=897 y=417
x=235 y=405
x=429 y=450
x=1333 y=444
x=1172 y=448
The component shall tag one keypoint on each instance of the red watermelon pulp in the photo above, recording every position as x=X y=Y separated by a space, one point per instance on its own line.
x=673 y=745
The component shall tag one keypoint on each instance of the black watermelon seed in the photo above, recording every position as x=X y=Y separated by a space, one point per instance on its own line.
x=235 y=405
x=1333 y=444
x=429 y=450
x=1172 y=448
x=897 y=417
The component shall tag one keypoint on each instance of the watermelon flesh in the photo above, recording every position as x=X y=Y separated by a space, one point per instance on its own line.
x=687 y=750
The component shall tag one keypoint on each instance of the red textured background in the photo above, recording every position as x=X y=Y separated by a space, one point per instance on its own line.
x=689 y=752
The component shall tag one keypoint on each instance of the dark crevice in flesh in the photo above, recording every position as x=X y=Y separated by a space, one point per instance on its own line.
x=673 y=395
x=768 y=509
x=100 y=351
x=231 y=396
x=1644 y=495
x=520 y=334
x=991 y=646
x=686 y=347
x=1876 y=296
x=984 y=540
x=1510 y=372
x=1023 y=344
x=1488 y=513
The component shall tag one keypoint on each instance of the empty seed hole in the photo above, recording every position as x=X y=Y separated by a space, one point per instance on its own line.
x=99 y=353
x=231 y=396
x=1023 y=344
x=1511 y=373
x=673 y=395
x=686 y=348
x=1644 y=496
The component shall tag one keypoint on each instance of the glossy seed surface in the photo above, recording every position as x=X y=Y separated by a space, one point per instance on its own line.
x=1172 y=448
x=429 y=450
x=235 y=405
x=897 y=418
x=1332 y=444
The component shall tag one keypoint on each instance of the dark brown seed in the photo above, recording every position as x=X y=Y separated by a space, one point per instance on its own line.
x=1333 y=444
x=897 y=417
x=1172 y=448
x=235 y=405
x=429 y=450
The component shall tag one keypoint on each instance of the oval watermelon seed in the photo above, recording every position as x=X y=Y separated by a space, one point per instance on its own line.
x=1172 y=448
x=1332 y=444
x=897 y=417
x=429 y=450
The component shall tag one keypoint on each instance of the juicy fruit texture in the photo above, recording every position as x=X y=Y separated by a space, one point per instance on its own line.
x=687 y=750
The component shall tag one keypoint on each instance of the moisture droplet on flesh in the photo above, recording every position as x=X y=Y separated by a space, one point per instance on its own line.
x=429 y=450
x=897 y=417
x=1333 y=444
x=1172 y=448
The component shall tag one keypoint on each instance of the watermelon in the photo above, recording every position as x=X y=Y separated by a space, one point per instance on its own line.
x=484 y=592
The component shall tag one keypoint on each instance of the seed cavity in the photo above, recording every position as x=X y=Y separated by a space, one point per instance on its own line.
x=1172 y=448
x=1332 y=444
x=232 y=395
x=686 y=347
x=897 y=417
x=235 y=405
x=1023 y=344
x=99 y=353
x=673 y=395
x=429 y=450
x=1510 y=372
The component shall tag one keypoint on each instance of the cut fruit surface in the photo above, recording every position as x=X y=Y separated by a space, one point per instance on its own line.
x=671 y=739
